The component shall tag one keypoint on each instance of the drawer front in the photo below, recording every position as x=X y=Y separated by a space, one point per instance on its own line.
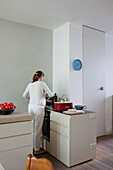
x=60 y=118
x=60 y=129
x=16 y=142
x=19 y=128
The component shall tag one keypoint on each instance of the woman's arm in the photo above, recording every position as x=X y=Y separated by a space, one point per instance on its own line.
x=26 y=92
x=47 y=90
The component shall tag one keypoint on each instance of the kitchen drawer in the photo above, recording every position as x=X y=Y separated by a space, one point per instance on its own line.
x=16 y=142
x=60 y=118
x=60 y=129
x=18 y=128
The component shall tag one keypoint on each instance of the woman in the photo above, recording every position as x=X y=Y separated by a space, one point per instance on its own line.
x=36 y=92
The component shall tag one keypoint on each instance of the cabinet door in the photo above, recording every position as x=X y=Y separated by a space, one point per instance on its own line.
x=59 y=147
x=93 y=75
x=15 y=159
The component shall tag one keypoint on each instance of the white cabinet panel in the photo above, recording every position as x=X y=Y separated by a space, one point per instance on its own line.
x=15 y=142
x=59 y=147
x=59 y=118
x=83 y=138
x=60 y=129
x=15 y=159
x=12 y=129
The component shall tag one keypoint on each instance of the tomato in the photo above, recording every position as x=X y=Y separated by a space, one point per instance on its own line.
x=5 y=104
x=11 y=103
x=2 y=107
x=7 y=107
x=12 y=106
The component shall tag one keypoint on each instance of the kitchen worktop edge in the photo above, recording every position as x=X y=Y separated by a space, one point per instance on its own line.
x=52 y=109
x=16 y=116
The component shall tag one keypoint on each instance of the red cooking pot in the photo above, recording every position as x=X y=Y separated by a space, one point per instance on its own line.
x=63 y=106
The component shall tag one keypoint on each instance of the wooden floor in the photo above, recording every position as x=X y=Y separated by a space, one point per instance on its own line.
x=103 y=160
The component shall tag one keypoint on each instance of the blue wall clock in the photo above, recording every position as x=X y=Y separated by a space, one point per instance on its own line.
x=77 y=64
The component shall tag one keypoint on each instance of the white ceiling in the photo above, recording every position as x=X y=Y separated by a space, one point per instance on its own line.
x=52 y=13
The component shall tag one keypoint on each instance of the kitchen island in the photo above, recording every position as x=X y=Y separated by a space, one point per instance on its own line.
x=72 y=137
x=16 y=140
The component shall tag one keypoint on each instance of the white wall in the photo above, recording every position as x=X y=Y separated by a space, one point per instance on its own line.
x=109 y=81
x=24 y=49
x=75 y=52
x=61 y=60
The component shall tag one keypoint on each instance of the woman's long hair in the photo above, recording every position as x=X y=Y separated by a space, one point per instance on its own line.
x=37 y=75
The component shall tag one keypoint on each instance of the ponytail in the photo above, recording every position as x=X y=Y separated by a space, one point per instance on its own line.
x=35 y=78
x=37 y=75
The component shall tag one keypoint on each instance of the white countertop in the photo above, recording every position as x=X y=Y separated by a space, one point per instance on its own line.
x=16 y=116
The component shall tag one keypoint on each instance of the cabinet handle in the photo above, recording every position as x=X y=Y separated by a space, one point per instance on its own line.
x=46 y=118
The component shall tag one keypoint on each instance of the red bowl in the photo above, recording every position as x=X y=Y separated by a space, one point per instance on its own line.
x=7 y=111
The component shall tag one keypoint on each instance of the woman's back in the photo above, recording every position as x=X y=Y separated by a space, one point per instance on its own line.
x=36 y=92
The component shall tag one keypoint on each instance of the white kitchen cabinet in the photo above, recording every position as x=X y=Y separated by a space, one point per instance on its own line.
x=72 y=137
x=16 y=142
